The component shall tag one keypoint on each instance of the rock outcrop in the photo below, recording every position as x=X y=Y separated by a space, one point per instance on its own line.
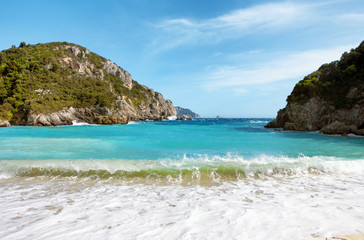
x=58 y=83
x=319 y=115
x=184 y=118
x=330 y=100
x=4 y=123
x=186 y=113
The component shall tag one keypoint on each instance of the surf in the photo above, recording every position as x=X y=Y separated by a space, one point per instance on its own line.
x=187 y=170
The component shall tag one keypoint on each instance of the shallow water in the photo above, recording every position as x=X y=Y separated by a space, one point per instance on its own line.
x=201 y=179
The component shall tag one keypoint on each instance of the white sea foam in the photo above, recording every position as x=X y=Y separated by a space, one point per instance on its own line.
x=214 y=166
x=75 y=123
x=355 y=136
x=133 y=123
x=172 y=118
x=258 y=121
x=289 y=208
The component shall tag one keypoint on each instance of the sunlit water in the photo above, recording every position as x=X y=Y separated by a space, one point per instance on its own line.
x=201 y=179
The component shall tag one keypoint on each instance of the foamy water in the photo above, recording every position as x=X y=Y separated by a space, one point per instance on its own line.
x=76 y=123
x=201 y=179
x=186 y=171
x=274 y=208
x=171 y=118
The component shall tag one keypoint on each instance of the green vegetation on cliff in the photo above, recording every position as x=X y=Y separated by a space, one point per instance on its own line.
x=329 y=100
x=333 y=82
x=45 y=78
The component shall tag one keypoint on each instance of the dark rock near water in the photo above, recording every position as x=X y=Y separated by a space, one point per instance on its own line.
x=184 y=117
x=339 y=128
x=330 y=100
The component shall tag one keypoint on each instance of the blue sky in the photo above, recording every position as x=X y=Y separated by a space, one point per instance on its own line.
x=230 y=58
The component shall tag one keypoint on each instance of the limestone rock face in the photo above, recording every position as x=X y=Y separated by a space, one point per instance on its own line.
x=159 y=110
x=329 y=100
x=338 y=128
x=4 y=124
x=66 y=117
x=65 y=82
x=187 y=112
x=115 y=70
x=318 y=115
x=81 y=64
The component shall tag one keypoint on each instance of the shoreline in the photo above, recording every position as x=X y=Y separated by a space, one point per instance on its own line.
x=242 y=210
x=358 y=236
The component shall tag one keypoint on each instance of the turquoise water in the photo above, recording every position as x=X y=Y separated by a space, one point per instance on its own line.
x=222 y=146
x=197 y=179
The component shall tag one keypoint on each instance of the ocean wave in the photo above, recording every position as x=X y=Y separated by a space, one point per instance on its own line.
x=133 y=123
x=197 y=169
x=75 y=123
x=258 y=121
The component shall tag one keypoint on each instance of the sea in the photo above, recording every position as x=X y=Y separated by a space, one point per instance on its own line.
x=199 y=179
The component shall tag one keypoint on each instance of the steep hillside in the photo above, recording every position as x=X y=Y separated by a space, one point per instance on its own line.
x=330 y=99
x=57 y=83
x=185 y=112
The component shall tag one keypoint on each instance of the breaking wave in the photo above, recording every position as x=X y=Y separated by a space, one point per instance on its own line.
x=75 y=123
x=258 y=121
x=198 y=169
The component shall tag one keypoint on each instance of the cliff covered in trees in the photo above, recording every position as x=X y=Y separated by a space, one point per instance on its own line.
x=330 y=99
x=57 y=83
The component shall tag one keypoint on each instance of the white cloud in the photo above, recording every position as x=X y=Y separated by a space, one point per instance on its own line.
x=286 y=66
x=240 y=91
x=352 y=17
x=268 y=17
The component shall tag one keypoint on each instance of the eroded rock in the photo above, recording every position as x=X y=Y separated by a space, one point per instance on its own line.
x=4 y=123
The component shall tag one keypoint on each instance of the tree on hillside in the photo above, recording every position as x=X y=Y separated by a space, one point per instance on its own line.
x=22 y=44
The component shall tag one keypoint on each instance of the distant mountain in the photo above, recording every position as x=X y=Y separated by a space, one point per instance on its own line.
x=186 y=112
x=330 y=99
x=58 y=83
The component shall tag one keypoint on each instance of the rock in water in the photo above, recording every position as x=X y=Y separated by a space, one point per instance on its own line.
x=57 y=83
x=330 y=100
x=338 y=128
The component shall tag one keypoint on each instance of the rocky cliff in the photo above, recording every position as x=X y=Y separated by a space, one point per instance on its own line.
x=186 y=112
x=57 y=83
x=329 y=100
